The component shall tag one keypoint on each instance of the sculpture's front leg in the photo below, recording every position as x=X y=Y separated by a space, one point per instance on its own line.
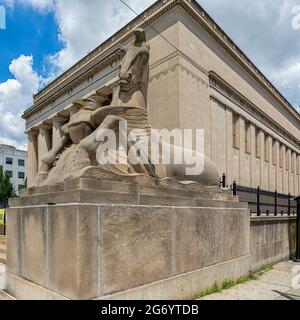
x=90 y=144
x=49 y=159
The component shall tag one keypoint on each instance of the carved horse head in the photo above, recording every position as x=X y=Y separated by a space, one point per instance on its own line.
x=134 y=73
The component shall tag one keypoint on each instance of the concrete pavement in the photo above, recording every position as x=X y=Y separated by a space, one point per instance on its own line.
x=275 y=284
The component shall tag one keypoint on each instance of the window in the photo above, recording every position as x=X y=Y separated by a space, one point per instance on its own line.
x=267 y=151
x=298 y=164
x=9 y=161
x=9 y=173
x=21 y=175
x=257 y=142
x=236 y=131
x=21 y=163
x=247 y=137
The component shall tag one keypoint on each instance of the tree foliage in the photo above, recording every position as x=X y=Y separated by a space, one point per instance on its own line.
x=6 y=187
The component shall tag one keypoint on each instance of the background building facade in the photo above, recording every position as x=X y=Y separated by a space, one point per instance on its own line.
x=198 y=79
x=14 y=163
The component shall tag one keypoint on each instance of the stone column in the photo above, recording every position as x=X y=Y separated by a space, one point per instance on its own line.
x=294 y=173
x=57 y=123
x=44 y=142
x=262 y=167
x=278 y=169
x=253 y=182
x=284 y=173
x=229 y=146
x=242 y=152
x=289 y=172
x=271 y=179
x=32 y=163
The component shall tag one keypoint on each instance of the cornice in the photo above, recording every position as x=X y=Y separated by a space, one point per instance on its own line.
x=147 y=17
x=195 y=10
x=72 y=81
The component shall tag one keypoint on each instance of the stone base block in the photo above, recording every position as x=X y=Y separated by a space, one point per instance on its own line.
x=182 y=287
x=83 y=250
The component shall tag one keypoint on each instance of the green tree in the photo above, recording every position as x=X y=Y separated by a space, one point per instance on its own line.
x=6 y=188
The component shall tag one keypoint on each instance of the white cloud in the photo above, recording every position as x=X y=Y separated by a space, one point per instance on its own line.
x=82 y=27
x=263 y=30
x=41 y=5
x=15 y=97
x=288 y=80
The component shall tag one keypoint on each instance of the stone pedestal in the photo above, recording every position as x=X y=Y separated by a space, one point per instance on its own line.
x=88 y=239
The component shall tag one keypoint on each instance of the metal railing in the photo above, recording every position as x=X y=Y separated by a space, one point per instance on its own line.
x=262 y=202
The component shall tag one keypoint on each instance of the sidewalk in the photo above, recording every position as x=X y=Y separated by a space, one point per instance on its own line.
x=2 y=276
x=275 y=284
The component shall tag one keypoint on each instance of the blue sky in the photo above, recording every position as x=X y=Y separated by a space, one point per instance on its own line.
x=45 y=37
x=29 y=33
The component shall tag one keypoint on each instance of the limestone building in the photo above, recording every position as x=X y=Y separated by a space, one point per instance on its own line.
x=198 y=79
x=14 y=162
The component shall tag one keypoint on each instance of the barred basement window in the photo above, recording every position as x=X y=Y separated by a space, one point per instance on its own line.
x=236 y=131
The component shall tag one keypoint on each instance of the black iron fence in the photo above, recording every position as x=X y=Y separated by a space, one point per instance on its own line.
x=263 y=202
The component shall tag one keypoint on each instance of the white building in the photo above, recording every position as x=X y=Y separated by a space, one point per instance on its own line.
x=14 y=162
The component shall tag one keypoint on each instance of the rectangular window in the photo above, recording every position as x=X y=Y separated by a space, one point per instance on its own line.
x=298 y=164
x=287 y=160
x=21 y=175
x=9 y=173
x=21 y=163
x=257 y=142
x=274 y=153
x=9 y=161
x=236 y=131
x=267 y=151
x=247 y=137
